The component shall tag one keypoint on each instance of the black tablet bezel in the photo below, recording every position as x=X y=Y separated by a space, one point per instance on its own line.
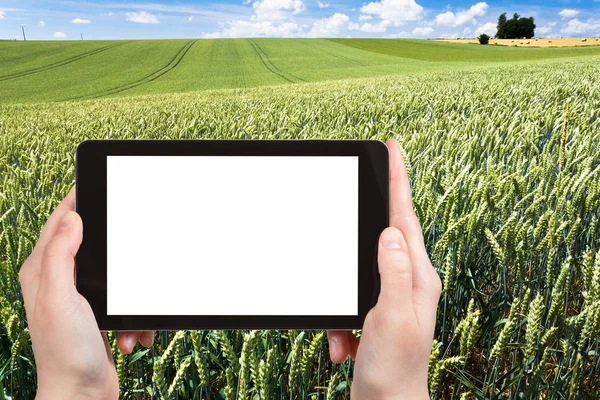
x=91 y=198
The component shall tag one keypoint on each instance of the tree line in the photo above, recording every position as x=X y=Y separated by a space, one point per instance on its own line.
x=515 y=28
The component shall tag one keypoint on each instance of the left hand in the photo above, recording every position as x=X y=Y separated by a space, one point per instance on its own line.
x=73 y=357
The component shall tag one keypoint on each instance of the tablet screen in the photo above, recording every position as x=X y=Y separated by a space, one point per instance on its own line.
x=232 y=235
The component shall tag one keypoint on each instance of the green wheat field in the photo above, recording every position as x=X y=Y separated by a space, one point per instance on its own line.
x=503 y=151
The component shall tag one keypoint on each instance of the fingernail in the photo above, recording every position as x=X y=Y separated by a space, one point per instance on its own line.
x=66 y=222
x=131 y=342
x=391 y=239
x=332 y=344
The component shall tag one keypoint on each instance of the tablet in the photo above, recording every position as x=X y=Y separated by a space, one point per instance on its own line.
x=230 y=234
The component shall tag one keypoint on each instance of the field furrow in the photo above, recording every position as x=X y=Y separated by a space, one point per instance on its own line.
x=57 y=64
x=266 y=62
x=149 y=78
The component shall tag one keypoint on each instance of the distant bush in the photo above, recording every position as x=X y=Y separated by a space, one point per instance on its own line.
x=483 y=39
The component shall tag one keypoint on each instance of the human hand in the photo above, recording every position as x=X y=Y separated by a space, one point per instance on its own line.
x=392 y=356
x=73 y=357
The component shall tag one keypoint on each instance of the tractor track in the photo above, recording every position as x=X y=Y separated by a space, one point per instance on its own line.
x=269 y=64
x=174 y=62
x=58 y=64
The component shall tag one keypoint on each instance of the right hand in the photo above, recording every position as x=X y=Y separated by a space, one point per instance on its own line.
x=392 y=356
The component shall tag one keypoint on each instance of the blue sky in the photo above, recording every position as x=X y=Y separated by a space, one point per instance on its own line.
x=106 y=19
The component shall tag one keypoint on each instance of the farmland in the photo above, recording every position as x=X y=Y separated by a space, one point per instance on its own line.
x=50 y=71
x=504 y=160
x=535 y=42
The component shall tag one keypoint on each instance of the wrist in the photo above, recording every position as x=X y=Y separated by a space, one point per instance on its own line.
x=74 y=392
x=357 y=393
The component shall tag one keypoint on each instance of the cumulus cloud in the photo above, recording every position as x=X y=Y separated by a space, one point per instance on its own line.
x=241 y=28
x=323 y=5
x=369 y=27
x=576 y=26
x=141 y=17
x=489 y=28
x=423 y=31
x=59 y=35
x=545 y=29
x=452 y=35
x=81 y=21
x=276 y=10
x=330 y=26
x=2 y=14
x=396 y=11
x=402 y=34
x=190 y=18
x=568 y=13
x=41 y=24
x=363 y=17
x=461 y=17
x=271 y=18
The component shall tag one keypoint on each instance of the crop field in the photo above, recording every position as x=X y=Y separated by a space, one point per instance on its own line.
x=535 y=42
x=33 y=72
x=504 y=160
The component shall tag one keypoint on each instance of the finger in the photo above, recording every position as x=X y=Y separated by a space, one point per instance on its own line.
x=58 y=259
x=339 y=347
x=353 y=341
x=126 y=341
x=402 y=214
x=425 y=280
x=147 y=338
x=395 y=271
x=29 y=274
x=49 y=230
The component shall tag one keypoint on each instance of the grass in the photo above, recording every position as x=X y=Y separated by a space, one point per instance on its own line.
x=505 y=167
x=51 y=71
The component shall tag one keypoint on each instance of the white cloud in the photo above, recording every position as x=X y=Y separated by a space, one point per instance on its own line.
x=369 y=27
x=59 y=35
x=489 y=28
x=141 y=17
x=2 y=14
x=544 y=30
x=81 y=21
x=276 y=10
x=214 y=35
x=423 y=31
x=466 y=32
x=402 y=34
x=323 y=5
x=576 y=26
x=240 y=28
x=330 y=26
x=452 y=35
x=461 y=17
x=568 y=13
x=41 y=24
x=190 y=18
x=363 y=17
x=396 y=11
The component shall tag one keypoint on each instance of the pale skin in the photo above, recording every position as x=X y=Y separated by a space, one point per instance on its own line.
x=74 y=360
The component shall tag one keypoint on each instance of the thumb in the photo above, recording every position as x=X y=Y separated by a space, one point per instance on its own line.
x=58 y=259
x=395 y=270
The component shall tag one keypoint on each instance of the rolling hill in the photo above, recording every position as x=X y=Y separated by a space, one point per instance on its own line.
x=74 y=70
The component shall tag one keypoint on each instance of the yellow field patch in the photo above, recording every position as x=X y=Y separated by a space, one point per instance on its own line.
x=545 y=42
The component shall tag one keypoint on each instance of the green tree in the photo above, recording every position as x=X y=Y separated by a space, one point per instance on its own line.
x=501 y=27
x=483 y=39
x=515 y=28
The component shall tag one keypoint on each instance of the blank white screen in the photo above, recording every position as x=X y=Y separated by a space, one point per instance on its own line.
x=199 y=235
